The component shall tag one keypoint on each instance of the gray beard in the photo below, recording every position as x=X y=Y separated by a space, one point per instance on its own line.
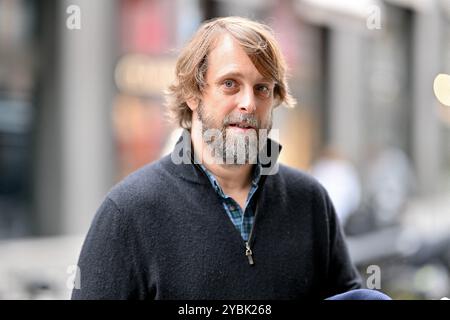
x=232 y=148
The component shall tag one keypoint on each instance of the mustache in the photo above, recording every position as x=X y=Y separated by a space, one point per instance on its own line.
x=248 y=119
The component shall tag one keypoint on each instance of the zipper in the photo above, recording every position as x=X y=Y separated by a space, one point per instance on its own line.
x=248 y=249
x=249 y=254
x=249 y=242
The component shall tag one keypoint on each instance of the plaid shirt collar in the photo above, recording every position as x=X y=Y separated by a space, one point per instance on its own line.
x=256 y=176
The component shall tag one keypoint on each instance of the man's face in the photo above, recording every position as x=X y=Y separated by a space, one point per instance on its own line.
x=237 y=100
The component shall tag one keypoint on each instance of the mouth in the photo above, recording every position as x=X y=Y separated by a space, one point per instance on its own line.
x=241 y=126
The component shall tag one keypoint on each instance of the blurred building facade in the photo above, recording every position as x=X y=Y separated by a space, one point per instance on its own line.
x=82 y=108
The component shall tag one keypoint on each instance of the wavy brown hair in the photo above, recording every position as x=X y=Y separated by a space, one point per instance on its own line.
x=256 y=39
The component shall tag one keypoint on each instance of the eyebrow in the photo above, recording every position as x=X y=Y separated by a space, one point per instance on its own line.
x=237 y=74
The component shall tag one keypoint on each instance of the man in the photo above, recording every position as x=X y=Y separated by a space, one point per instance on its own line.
x=217 y=219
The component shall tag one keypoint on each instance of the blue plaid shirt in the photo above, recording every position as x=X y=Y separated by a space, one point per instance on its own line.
x=243 y=221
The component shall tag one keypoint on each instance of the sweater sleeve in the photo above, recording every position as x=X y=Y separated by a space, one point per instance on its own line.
x=107 y=262
x=342 y=274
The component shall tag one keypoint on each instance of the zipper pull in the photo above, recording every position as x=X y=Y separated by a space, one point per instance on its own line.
x=248 y=253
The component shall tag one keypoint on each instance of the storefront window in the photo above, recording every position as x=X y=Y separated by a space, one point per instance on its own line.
x=16 y=114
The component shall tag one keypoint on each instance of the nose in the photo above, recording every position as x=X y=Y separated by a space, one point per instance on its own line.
x=247 y=101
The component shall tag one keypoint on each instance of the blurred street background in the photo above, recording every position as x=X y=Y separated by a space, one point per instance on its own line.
x=81 y=106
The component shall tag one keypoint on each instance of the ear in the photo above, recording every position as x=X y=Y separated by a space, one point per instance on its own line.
x=192 y=103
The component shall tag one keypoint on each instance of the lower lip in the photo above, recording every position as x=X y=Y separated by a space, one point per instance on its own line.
x=240 y=129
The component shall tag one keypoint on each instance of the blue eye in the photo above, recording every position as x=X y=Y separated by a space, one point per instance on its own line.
x=264 y=90
x=229 y=84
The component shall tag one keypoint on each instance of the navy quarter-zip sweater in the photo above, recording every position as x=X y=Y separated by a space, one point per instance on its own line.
x=162 y=233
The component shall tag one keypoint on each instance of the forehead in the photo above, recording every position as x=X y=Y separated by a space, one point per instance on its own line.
x=228 y=57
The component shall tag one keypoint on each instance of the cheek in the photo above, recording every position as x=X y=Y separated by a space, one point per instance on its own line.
x=220 y=105
x=264 y=111
x=224 y=107
x=216 y=112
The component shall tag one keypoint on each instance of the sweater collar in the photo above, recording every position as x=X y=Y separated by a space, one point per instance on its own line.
x=182 y=161
x=256 y=175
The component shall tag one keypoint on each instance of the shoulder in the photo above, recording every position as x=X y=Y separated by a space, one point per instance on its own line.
x=299 y=181
x=142 y=188
x=301 y=190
